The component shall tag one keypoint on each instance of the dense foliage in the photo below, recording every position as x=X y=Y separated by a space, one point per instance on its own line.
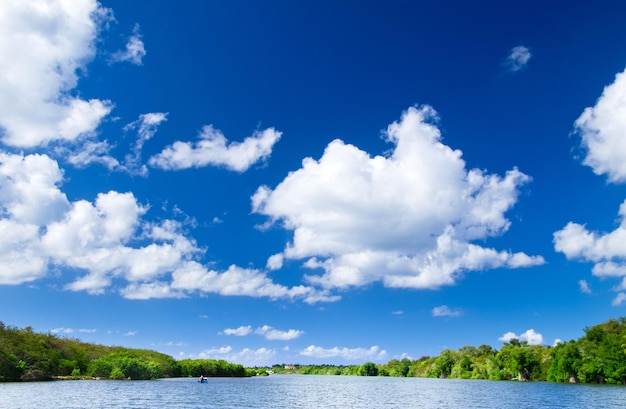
x=597 y=357
x=26 y=355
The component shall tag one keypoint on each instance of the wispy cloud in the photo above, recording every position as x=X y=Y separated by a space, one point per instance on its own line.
x=238 y=332
x=246 y=357
x=62 y=330
x=266 y=331
x=518 y=58
x=90 y=152
x=146 y=126
x=584 y=287
x=445 y=311
x=619 y=299
x=134 y=51
x=171 y=344
x=374 y=353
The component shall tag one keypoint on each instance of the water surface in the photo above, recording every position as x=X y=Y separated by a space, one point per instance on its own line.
x=301 y=391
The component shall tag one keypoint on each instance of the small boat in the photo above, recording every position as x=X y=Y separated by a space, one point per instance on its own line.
x=203 y=380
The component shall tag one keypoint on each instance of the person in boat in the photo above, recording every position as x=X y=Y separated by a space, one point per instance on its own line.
x=201 y=378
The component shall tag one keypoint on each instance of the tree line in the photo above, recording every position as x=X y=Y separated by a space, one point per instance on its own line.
x=27 y=356
x=597 y=357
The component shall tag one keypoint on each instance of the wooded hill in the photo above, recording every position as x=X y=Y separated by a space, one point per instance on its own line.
x=26 y=355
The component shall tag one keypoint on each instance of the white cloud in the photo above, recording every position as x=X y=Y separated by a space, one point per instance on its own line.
x=275 y=262
x=445 y=311
x=240 y=281
x=246 y=357
x=213 y=149
x=407 y=220
x=606 y=250
x=619 y=299
x=146 y=126
x=72 y=330
x=29 y=198
x=29 y=189
x=273 y=334
x=584 y=287
x=374 y=353
x=133 y=291
x=602 y=129
x=134 y=51
x=239 y=332
x=108 y=243
x=90 y=152
x=532 y=337
x=43 y=44
x=518 y=58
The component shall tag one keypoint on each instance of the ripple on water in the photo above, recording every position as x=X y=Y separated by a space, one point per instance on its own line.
x=303 y=392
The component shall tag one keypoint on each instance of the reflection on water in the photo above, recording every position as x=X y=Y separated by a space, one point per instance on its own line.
x=284 y=391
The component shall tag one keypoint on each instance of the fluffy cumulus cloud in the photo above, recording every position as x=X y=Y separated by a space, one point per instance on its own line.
x=518 y=58
x=409 y=219
x=603 y=136
x=195 y=277
x=213 y=149
x=134 y=51
x=530 y=336
x=374 y=353
x=43 y=45
x=273 y=334
x=606 y=250
x=602 y=129
x=109 y=243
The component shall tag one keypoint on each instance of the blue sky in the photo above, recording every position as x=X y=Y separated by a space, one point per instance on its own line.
x=312 y=182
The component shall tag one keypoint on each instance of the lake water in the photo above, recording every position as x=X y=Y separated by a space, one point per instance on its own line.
x=293 y=391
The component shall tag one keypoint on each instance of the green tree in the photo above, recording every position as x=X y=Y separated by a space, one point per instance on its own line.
x=368 y=369
x=566 y=361
x=444 y=363
x=117 y=373
x=603 y=359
